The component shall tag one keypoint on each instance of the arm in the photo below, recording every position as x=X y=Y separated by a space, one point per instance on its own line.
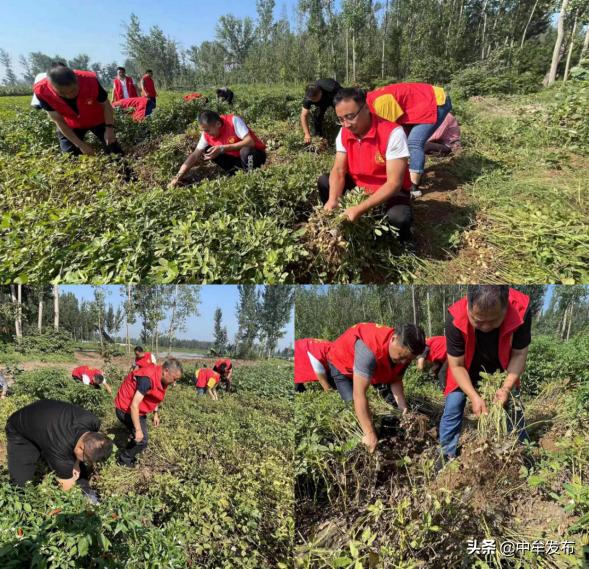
x=460 y=373
x=107 y=387
x=109 y=119
x=305 y=124
x=69 y=133
x=515 y=368
x=420 y=364
x=137 y=398
x=323 y=381
x=362 y=409
x=399 y=394
x=337 y=180
x=186 y=166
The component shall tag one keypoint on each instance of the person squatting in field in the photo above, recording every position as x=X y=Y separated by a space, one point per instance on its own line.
x=320 y=94
x=420 y=108
x=224 y=367
x=142 y=358
x=76 y=102
x=311 y=364
x=225 y=95
x=207 y=381
x=371 y=153
x=369 y=353
x=227 y=141
x=435 y=358
x=91 y=376
x=66 y=436
x=141 y=393
x=489 y=330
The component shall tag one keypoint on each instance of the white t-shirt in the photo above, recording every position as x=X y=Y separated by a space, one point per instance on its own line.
x=241 y=130
x=316 y=364
x=396 y=148
x=34 y=101
x=124 y=86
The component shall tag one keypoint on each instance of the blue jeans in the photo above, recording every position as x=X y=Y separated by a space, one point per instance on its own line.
x=419 y=134
x=451 y=422
x=343 y=384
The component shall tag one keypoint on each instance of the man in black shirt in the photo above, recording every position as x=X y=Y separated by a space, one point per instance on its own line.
x=65 y=435
x=225 y=94
x=488 y=331
x=320 y=94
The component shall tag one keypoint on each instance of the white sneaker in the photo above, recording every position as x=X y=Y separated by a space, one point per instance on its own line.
x=416 y=194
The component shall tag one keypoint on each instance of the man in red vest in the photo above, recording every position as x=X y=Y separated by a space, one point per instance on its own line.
x=148 y=87
x=227 y=141
x=311 y=363
x=372 y=154
x=142 y=358
x=140 y=107
x=77 y=103
x=207 y=380
x=140 y=394
x=224 y=367
x=123 y=86
x=367 y=354
x=91 y=376
x=435 y=357
x=488 y=330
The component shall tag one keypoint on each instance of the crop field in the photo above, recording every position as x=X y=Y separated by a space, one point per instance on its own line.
x=213 y=489
x=391 y=509
x=511 y=207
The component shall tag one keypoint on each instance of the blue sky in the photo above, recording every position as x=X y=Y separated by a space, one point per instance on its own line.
x=70 y=27
x=200 y=327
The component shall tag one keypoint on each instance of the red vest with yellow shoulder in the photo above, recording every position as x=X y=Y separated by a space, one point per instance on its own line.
x=377 y=338
x=417 y=101
x=129 y=387
x=514 y=317
x=227 y=135
x=367 y=157
x=204 y=375
x=118 y=89
x=437 y=349
x=90 y=110
x=303 y=370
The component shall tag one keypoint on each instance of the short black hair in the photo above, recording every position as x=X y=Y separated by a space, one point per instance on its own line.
x=487 y=296
x=55 y=64
x=358 y=96
x=412 y=337
x=209 y=117
x=222 y=368
x=121 y=69
x=99 y=378
x=62 y=76
x=97 y=447
x=148 y=71
x=312 y=90
x=138 y=349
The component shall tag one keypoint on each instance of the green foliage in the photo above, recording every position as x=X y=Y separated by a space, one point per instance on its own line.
x=46 y=343
x=478 y=80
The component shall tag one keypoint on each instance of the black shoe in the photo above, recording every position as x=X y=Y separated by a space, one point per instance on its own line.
x=441 y=461
x=125 y=463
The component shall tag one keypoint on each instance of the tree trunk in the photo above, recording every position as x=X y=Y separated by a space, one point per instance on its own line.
x=429 y=315
x=56 y=308
x=127 y=339
x=570 y=322
x=484 y=10
x=414 y=305
x=347 y=54
x=172 y=321
x=16 y=297
x=384 y=40
x=528 y=23
x=556 y=53
x=570 y=54
x=40 y=316
x=354 y=56
x=585 y=45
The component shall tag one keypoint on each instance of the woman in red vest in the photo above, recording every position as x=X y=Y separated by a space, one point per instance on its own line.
x=77 y=103
x=140 y=394
x=227 y=141
x=488 y=330
x=311 y=363
x=91 y=376
x=372 y=154
x=148 y=87
x=224 y=367
x=435 y=358
x=207 y=380
x=123 y=86
x=421 y=109
x=368 y=354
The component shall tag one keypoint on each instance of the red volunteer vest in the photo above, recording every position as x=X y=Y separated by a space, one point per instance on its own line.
x=377 y=338
x=85 y=370
x=204 y=375
x=303 y=370
x=227 y=362
x=437 y=349
x=514 y=318
x=129 y=387
x=118 y=90
x=192 y=96
x=137 y=104
x=144 y=361
x=149 y=86
x=227 y=135
x=90 y=110
x=418 y=101
x=366 y=158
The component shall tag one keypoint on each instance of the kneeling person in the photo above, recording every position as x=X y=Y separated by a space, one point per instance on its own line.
x=91 y=376
x=140 y=394
x=227 y=141
x=65 y=435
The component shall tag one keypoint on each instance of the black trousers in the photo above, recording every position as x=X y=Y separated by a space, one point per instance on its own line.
x=398 y=210
x=129 y=455
x=318 y=117
x=66 y=146
x=249 y=159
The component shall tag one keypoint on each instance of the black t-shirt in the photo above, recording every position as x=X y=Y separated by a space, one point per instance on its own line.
x=486 y=355
x=329 y=87
x=55 y=427
x=73 y=103
x=143 y=384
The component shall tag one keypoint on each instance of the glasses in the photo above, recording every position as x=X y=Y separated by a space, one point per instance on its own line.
x=351 y=117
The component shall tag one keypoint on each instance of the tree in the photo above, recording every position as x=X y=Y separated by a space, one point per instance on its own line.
x=147 y=301
x=16 y=294
x=247 y=319
x=183 y=302
x=56 y=308
x=220 y=334
x=6 y=62
x=275 y=312
x=557 y=52
x=236 y=37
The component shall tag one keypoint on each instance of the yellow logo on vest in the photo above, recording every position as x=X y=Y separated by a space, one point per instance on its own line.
x=379 y=159
x=232 y=140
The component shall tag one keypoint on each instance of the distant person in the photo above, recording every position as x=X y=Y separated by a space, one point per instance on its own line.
x=420 y=108
x=66 y=436
x=3 y=386
x=224 y=367
x=225 y=95
x=140 y=394
x=446 y=138
x=148 y=87
x=140 y=107
x=142 y=358
x=91 y=376
x=207 y=381
x=320 y=94
x=435 y=357
x=123 y=86
x=77 y=103
x=228 y=142
x=371 y=153
x=368 y=354
x=310 y=363
x=193 y=96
